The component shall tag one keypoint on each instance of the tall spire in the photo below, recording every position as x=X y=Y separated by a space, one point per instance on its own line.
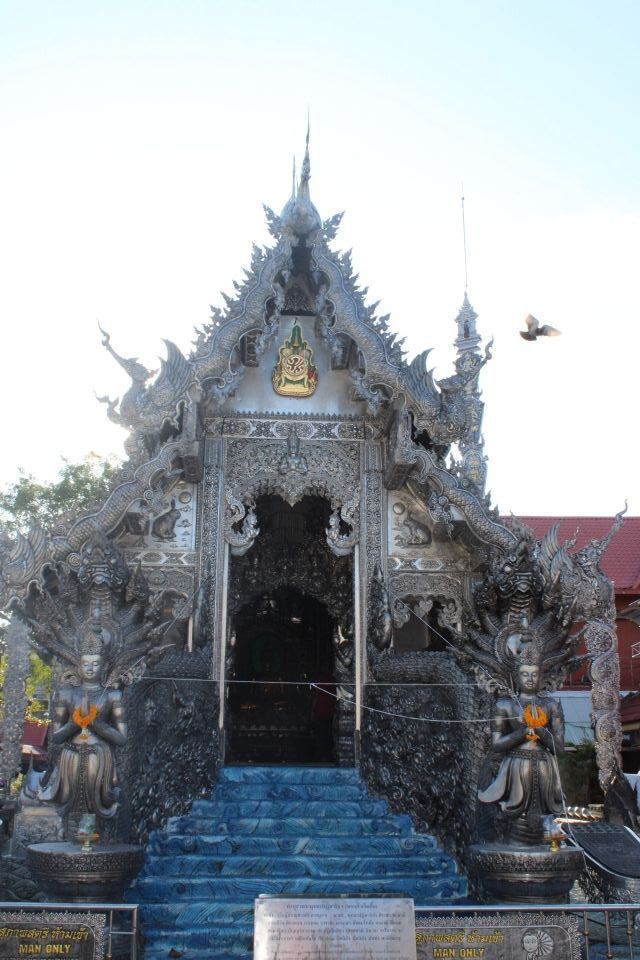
x=305 y=173
x=468 y=338
x=300 y=216
x=464 y=243
x=468 y=363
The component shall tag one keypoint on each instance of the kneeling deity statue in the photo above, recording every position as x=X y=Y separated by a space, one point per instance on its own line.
x=88 y=723
x=527 y=736
x=98 y=624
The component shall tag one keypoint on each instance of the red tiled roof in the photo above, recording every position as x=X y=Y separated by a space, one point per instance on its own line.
x=621 y=562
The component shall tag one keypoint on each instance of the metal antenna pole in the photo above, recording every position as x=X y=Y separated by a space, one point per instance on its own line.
x=464 y=241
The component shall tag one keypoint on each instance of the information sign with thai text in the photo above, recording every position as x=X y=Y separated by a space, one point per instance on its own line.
x=497 y=936
x=31 y=933
x=327 y=928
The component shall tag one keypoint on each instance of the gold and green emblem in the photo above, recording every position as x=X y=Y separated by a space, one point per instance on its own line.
x=294 y=375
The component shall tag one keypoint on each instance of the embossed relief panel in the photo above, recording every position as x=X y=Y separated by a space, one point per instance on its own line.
x=326 y=467
x=427 y=575
x=160 y=534
x=158 y=528
x=323 y=390
x=308 y=426
x=412 y=543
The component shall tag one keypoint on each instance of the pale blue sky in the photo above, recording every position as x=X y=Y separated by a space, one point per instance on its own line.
x=138 y=141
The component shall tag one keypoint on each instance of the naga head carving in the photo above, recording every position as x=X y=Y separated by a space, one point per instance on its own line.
x=131 y=365
x=101 y=564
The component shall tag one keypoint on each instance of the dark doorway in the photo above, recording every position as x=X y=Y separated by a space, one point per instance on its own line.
x=282 y=645
x=287 y=596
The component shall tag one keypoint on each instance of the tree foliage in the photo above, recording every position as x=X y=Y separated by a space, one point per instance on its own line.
x=26 y=501
x=37 y=687
x=579 y=774
x=78 y=485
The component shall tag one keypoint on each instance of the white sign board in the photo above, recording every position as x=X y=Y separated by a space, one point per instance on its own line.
x=355 y=928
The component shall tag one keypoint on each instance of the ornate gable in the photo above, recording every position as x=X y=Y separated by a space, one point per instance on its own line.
x=296 y=341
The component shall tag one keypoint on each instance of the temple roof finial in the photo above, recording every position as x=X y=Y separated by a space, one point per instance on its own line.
x=299 y=215
x=305 y=173
x=468 y=337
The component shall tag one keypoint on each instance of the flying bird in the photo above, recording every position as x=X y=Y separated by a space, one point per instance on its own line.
x=534 y=330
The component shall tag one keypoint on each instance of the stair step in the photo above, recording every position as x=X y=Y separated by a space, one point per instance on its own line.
x=232 y=791
x=214 y=891
x=296 y=866
x=283 y=774
x=198 y=915
x=227 y=941
x=216 y=809
x=162 y=844
x=392 y=825
x=153 y=953
x=278 y=830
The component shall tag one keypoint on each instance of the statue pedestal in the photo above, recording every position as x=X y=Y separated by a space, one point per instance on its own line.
x=65 y=872
x=521 y=874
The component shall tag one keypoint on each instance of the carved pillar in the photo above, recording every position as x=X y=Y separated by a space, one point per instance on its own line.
x=373 y=530
x=601 y=644
x=372 y=548
x=221 y=636
x=15 y=701
x=359 y=625
x=210 y=541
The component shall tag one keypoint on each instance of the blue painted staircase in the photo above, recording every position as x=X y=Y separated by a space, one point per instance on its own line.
x=277 y=830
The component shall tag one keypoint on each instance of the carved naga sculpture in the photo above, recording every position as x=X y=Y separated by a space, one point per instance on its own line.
x=146 y=409
x=100 y=627
x=21 y=561
x=446 y=413
x=380 y=631
x=529 y=614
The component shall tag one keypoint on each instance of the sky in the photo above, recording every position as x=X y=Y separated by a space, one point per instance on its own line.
x=138 y=141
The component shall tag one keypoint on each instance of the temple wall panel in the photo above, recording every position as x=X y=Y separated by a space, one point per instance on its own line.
x=333 y=393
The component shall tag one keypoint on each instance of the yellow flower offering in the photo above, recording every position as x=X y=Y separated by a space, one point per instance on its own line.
x=533 y=717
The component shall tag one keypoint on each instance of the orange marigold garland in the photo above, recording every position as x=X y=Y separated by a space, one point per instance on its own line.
x=533 y=717
x=84 y=720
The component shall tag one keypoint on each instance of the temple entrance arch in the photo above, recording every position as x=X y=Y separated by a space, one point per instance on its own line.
x=282 y=644
x=287 y=596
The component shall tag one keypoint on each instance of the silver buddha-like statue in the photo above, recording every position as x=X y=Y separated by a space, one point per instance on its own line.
x=528 y=735
x=88 y=722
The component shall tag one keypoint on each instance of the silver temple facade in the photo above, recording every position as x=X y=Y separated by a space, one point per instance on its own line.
x=303 y=515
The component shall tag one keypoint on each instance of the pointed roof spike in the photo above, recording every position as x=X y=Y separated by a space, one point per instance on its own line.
x=305 y=173
x=274 y=224
x=299 y=215
x=330 y=226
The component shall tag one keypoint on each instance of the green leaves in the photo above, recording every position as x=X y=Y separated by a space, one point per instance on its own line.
x=78 y=485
